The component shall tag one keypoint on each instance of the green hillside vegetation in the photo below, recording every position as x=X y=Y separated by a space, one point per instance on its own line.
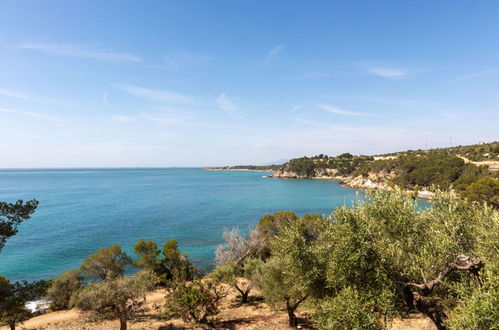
x=438 y=168
x=475 y=152
x=344 y=164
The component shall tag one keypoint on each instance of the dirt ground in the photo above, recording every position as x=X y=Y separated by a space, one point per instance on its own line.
x=256 y=315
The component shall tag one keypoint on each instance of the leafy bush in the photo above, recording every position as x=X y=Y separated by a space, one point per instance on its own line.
x=485 y=189
x=173 y=267
x=195 y=301
x=64 y=290
x=348 y=311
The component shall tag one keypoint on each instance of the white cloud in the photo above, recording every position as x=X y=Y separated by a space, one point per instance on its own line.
x=31 y=114
x=83 y=51
x=387 y=72
x=476 y=74
x=156 y=95
x=225 y=103
x=295 y=108
x=177 y=59
x=338 y=111
x=273 y=53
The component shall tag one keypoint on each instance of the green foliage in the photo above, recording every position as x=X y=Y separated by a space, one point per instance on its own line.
x=148 y=253
x=106 y=263
x=385 y=257
x=347 y=311
x=114 y=294
x=13 y=298
x=282 y=285
x=173 y=267
x=479 y=310
x=196 y=301
x=308 y=167
x=382 y=245
x=278 y=283
x=11 y=215
x=270 y=224
x=441 y=168
x=485 y=189
x=238 y=276
x=64 y=290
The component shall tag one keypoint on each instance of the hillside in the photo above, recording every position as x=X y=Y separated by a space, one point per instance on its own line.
x=471 y=170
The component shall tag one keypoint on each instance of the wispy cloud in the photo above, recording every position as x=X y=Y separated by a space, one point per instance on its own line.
x=312 y=75
x=226 y=103
x=295 y=108
x=15 y=94
x=172 y=119
x=79 y=50
x=177 y=59
x=476 y=74
x=31 y=114
x=31 y=97
x=273 y=53
x=384 y=72
x=104 y=99
x=157 y=95
x=338 y=111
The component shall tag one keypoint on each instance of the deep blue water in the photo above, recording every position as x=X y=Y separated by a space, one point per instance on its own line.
x=81 y=211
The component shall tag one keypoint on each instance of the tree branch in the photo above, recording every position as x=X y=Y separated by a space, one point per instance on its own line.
x=461 y=262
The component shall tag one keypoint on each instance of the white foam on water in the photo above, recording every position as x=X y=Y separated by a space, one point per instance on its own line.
x=37 y=305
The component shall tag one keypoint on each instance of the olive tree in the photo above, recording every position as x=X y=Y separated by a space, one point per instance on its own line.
x=401 y=258
x=280 y=286
x=293 y=273
x=117 y=295
x=238 y=276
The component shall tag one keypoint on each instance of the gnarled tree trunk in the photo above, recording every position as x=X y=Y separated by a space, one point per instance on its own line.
x=428 y=306
x=291 y=308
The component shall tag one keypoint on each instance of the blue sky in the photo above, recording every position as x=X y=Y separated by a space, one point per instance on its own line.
x=199 y=83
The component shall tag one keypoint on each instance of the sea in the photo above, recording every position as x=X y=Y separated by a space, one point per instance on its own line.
x=82 y=210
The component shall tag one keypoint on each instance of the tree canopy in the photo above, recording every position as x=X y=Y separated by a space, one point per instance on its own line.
x=106 y=263
x=11 y=215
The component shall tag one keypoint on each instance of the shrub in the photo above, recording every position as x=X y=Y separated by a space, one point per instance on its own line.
x=195 y=301
x=64 y=290
x=346 y=311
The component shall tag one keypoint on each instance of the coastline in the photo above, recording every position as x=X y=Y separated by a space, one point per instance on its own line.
x=358 y=182
x=234 y=169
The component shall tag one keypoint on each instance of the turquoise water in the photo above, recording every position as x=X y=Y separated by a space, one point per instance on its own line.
x=83 y=210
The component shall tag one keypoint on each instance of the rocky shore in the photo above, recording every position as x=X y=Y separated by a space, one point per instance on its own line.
x=376 y=181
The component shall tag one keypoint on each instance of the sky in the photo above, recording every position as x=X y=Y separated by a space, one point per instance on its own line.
x=206 y=83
